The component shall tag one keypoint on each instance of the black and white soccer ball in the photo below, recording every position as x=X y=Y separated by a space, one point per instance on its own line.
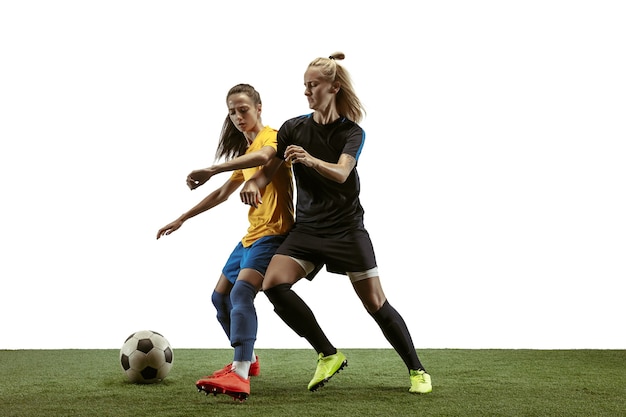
x=146 y=357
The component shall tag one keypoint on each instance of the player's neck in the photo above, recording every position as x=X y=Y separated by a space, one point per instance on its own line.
x=326 y=116
x=251 y=135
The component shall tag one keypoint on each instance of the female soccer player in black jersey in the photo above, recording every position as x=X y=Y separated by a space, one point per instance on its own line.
x=324 y=147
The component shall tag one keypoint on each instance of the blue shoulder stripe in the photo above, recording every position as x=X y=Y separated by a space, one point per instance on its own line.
x=361 y=147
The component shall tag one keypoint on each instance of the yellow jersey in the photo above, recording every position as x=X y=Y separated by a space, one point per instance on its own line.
x=275 y=216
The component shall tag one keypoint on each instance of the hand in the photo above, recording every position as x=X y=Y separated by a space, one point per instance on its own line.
x=170 y=228
x=297 y=155
x=198 y=177
x=250 y=194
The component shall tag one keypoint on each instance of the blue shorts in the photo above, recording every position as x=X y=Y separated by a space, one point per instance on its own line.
x=257 y=257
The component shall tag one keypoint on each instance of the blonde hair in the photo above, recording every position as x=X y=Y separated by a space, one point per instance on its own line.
x=347 y=102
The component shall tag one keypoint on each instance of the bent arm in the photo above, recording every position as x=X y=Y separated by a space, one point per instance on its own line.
x=250 y=160
x=251 y=192
x=253 y=159
x=337 y=172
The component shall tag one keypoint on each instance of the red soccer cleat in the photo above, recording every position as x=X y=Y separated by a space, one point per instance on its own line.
x=229 y=383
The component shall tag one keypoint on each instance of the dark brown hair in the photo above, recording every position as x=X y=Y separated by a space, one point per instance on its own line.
x=232 y=142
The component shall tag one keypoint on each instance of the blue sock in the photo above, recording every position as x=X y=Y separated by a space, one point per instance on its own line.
x=223 y=306
x=243 y=318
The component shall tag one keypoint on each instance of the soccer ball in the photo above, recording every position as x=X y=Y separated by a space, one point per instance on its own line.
x=146 y=357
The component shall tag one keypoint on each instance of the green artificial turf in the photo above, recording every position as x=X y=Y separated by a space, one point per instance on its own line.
x=375 y=383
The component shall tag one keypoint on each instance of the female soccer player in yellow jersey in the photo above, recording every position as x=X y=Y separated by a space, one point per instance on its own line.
x=246 y=145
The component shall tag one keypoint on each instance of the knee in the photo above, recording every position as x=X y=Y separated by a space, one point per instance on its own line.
x=277 y=293
x=242 y=293
x=222 y=303
x=372 y=307
x=373 y=301
x=219 y=300
x=282 y=270
x=271 y=280
x=370 y=293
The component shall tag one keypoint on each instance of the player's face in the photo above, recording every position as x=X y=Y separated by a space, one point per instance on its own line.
x=319 y=92
x=243 y=112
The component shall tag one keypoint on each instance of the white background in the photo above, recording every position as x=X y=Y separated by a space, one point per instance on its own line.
x=493 y=176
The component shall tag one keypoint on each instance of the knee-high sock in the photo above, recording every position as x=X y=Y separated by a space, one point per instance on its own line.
x=297 y=315
x=223 y=306
x=395 y=330
x=243 y=320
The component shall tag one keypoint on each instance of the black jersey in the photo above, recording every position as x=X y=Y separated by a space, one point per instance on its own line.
x=324 y=206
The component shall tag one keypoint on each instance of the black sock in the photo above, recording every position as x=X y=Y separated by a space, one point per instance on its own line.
x=297 y=315
x=395 y=330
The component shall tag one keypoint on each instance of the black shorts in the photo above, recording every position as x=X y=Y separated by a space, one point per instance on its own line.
x=350 y=251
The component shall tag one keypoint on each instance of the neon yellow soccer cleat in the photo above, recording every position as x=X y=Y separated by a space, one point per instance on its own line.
x=420 y=382
x=327 y=366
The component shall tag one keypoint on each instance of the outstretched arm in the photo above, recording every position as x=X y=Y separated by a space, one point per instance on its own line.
x=251 y=192
x=254 y=159
x=338 y=172
x=216 y=197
